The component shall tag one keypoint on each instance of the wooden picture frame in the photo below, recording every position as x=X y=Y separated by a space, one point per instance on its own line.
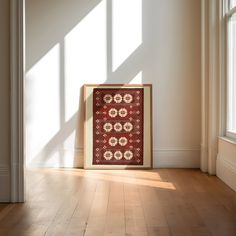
x=118 y=126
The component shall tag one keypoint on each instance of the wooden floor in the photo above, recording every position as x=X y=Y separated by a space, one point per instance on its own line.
x=159 y=202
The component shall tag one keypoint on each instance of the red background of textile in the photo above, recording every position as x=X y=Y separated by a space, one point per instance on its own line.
x=98 y=121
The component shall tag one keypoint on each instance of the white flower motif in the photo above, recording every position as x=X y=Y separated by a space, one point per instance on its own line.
x=123 y=141
x=107 y=155
x=113 y=141
x=107 y=98
x=128 y=126
x=117 y=127
x=123 y=112
x=128 y=155
x=118 y=98
x=128 y=98
x=118 y=155
x=107 y=127
x=112 y=112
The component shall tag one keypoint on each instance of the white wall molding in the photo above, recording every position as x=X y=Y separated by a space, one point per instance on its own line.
x=204 y=84
x=4 y=180
x=226 y=164
x=210 y=84
x=176 y=158
x=213 y=115
x=17 y=100
x=71 y=158
x=4 y=171
x=162 y=158
x=226 y=171
x=222 y=68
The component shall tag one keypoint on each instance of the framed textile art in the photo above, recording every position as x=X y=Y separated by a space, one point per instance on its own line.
x=118 y=126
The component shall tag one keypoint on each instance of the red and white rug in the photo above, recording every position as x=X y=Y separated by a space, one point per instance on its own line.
x=118 y=126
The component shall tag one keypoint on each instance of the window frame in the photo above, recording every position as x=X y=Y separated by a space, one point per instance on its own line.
x=228 y=14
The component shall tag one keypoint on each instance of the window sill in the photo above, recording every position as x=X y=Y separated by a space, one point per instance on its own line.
x=229 y=140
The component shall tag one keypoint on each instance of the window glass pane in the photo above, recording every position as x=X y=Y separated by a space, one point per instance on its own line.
x=232 y=3
x=232 y=74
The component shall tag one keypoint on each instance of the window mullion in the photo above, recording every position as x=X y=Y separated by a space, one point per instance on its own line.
x=231 y=12
x=230 y=68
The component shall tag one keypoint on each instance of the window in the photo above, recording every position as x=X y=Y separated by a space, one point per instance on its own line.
x=232 y=3
x=231 y=69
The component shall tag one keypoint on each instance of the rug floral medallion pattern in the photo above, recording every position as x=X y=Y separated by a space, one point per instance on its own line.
x=118 y=126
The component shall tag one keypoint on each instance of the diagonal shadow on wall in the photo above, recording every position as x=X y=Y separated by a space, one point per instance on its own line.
x=53 y=22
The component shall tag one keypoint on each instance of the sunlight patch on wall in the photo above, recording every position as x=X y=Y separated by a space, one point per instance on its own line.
x=127 y=29
x=85 y=56
x=61 y=155
x=138 y=79
x=42 y=113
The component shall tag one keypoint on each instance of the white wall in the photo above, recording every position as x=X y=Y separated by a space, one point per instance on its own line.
x=4 y=101
x=147 y=41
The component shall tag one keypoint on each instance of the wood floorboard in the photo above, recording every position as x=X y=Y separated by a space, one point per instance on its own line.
x=163 y=202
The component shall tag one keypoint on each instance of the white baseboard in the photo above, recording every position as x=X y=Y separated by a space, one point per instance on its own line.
x=62 y=158
x=4 y=170
x=226 y=171
x=176 y=158
x=162 y=158
x=4 y=183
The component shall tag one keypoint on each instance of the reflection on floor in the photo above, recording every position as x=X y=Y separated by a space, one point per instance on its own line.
x=123 y=202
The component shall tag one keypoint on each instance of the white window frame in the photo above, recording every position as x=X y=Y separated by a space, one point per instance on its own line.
x=228 y=15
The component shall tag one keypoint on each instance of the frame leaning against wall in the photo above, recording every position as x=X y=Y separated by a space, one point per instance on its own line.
x=89 y=133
